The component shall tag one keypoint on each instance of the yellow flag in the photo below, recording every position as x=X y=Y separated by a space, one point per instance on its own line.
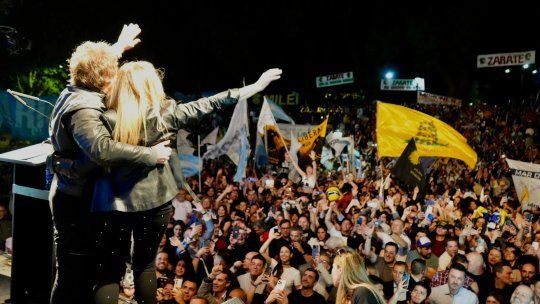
x=276 y=143
x=396 y=125
x=308 y=141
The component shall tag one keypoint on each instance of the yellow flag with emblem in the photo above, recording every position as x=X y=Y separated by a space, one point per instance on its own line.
x=397 y=124
x=308 y=141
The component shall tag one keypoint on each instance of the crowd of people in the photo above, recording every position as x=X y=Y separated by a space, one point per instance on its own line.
x=465 y=238
x=304 y=233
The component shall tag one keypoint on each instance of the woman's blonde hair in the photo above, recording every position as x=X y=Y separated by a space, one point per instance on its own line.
x=136 y=93
x=354 y=274
x=93 y=65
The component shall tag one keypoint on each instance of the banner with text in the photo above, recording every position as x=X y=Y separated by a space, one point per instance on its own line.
x=292 y=99
x=437 y=100
x=417 y=84
x=505 y=59
x=297 y=130
x=526 y=177
x=276 y=144
x=334 y=79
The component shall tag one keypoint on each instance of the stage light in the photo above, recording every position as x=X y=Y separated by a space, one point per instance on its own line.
x=525 y=66
x=507 y=71
x=535 y=71
x=389 y=75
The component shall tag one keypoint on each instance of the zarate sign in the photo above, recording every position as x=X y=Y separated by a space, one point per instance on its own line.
x=507 y=59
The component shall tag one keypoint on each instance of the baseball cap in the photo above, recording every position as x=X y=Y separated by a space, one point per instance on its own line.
x=423 y=242
x=442 y=224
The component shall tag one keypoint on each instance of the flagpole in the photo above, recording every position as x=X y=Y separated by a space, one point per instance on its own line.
x=266 y=140
x=282 y=140
x=200 y=165
x=352 y=157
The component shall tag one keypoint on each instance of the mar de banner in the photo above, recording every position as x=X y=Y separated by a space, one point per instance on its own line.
x=416 y=84
x=505 y=59
x=526 y=177
x=437 y=100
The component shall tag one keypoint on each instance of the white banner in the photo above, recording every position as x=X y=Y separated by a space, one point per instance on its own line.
x=297 y=130
x=417 y=84
x=526 y=177
x=505 y=59
x=334 y=79
x=439 y=100
x=231 y=142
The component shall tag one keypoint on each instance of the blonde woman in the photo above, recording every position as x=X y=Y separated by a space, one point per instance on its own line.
x=137 y=199
x=350 y=276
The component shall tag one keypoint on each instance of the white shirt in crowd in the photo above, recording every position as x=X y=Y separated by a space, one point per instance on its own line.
x=309 y=182
x=245 y=283
x=182 y=210
x=291 y=276
x=445 y=259
x=441 y=295
x=386 y=238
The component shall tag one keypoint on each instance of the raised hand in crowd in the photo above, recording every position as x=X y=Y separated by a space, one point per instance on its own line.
x=277 y=296
x=216 y=270
x=176 y=243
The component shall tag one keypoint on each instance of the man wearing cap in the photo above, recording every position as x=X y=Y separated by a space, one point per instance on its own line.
x=423 y=251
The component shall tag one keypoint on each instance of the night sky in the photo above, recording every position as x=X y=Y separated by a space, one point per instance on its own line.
x=212 y=45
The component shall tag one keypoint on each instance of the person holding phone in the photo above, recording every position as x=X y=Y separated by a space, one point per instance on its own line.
x=418 y=295
x=281 y=268
x=217 y=286
x=255 y=280
x=401 y=276
x=323 y=265
x=302 y=252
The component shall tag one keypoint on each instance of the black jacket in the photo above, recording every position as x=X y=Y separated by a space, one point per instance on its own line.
x=138 y=187
x=77 y=133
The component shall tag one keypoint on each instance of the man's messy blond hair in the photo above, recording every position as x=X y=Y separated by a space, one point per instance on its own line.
x=93 y=65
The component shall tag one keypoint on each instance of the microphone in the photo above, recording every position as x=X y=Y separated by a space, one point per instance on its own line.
x=25 y=104
x=13 y=93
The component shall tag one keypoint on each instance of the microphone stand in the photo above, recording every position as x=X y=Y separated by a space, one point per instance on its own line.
x=21 y=101
x=13 y=93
